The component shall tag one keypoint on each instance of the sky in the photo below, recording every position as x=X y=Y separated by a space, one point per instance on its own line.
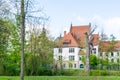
x=103 y=13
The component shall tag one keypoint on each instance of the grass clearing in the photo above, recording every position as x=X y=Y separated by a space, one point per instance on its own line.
x=61 y=78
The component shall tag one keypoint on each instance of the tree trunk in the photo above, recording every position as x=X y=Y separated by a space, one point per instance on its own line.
x=22 y=39
x=87 y=53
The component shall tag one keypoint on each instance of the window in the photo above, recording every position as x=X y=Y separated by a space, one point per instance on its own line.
x=112 y=54
x=94 y=50
x=80 y=58
x=117 y=53
x=74 y=65
x=60 y=50
x=70 y=65
x=71 y=58
x=81 y=66
x=60 y=58
x=64 y=65
x=101 y=54
x=66 y=43
x=71 y=50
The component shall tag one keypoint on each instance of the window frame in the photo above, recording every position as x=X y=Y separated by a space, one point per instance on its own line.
x=60 y=57
x=59 y=50
x=71 y=58
x=82 y=65
x=71 y=50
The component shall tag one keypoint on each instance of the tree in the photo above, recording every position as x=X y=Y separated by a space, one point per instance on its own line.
x=11 y=34
x=39 y=48
x=22 y=39
x=4 y=36
x=87 y=53
x=89 y=39
x=24 y=15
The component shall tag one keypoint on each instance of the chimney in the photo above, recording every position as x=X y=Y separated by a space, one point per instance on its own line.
x=64 y=33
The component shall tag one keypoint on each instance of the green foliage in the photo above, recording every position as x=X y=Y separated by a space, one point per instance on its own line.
x=8 y=56
x=94 y=60
x=76 y=72
x=73 y=72
x=38 y=55
x=104 y=73
x=61 y=78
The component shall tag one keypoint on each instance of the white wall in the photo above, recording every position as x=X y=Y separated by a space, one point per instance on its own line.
x=65 y=53
x=97 y=53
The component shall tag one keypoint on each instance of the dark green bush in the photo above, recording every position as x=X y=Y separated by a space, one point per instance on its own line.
x=98 y=73
x=77 y=72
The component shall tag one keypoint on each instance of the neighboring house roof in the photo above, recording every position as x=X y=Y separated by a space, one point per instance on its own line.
x=117 y=46
x=95 y=39
x=109 y=46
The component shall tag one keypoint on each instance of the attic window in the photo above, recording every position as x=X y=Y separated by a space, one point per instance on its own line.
x=66 y=43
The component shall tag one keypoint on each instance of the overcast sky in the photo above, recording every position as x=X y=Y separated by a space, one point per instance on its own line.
x=103 y=13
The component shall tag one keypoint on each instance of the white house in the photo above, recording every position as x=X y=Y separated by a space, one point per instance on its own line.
x=71 y=48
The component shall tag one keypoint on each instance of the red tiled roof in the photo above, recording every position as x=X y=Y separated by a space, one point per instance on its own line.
x=105 y=46
x=78 y=33
x=76 y=36
x=68 y=38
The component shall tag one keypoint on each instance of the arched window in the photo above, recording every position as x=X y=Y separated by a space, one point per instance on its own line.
x=81 y=66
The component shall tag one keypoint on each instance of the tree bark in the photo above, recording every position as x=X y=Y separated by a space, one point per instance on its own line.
x=87 y=53
x=22 y=39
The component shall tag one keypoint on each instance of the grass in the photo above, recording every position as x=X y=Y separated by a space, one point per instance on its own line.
x=61 y=78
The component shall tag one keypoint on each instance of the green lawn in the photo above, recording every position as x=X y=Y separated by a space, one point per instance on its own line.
x=61 y=78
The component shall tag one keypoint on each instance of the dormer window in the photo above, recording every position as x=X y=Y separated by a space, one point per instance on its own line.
x=66 y=43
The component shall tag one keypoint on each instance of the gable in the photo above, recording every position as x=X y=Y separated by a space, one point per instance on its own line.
x=68 y=40
x=78 y=33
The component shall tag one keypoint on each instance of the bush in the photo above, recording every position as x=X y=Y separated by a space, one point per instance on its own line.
x=104 y=73
x=77 y=72
x=98 y=73
x=72 y=72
